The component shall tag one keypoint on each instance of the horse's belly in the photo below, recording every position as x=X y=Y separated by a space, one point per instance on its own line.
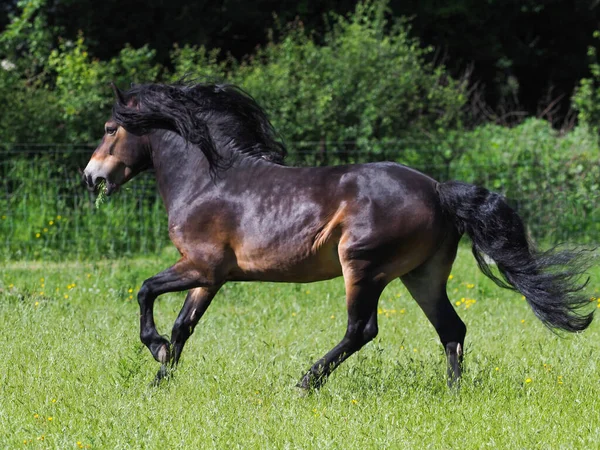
x=288 y=264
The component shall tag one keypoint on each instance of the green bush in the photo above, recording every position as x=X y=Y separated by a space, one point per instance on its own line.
x=586 y=99
x=553 y=180
x=366 y=87
x=82 y=85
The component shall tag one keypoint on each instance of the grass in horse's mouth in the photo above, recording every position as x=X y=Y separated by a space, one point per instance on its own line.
x=102 y=193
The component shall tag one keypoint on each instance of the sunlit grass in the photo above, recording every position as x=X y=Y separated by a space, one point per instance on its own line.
x=74 y=374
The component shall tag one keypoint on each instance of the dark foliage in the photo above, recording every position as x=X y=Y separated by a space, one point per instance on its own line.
x=526 y=54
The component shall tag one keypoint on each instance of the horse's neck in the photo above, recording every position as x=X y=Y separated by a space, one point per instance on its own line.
x=178 y=167
x=182 y=171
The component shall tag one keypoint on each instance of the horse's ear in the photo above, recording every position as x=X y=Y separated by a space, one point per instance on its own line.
x=118 y=93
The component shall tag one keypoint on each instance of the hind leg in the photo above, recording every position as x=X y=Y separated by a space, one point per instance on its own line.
x=361 y=298
x=196 y=304
x=427 y=285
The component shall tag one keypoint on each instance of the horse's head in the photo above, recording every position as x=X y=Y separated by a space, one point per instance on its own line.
x=119 y=157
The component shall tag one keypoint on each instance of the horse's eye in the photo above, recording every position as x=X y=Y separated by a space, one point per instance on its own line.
x=111 y=130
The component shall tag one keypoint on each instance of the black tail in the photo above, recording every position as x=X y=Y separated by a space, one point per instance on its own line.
x=550 y=281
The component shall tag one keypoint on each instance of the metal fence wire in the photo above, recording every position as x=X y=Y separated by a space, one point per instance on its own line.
x=46 y=212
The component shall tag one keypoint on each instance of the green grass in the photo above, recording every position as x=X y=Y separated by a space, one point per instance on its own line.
x=69 y=335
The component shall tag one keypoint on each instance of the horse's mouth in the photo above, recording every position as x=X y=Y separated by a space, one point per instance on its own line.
x=110 y=188
x=100 y=183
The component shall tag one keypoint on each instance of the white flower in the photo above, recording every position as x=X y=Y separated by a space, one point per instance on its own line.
x=7 y=65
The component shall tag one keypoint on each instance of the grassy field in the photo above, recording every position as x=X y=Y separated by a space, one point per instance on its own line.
x=74 y=374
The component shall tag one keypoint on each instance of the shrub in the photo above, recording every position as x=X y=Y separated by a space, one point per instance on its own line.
x=553 y=180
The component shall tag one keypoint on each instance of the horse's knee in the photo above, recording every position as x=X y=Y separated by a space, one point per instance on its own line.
x=144 y=292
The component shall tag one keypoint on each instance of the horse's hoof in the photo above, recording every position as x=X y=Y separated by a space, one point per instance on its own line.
x=454 y=384
x=310 y=382
x=303 y=386
x=163 y=374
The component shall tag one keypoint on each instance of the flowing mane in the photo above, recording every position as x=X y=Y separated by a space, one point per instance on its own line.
x=211 y=116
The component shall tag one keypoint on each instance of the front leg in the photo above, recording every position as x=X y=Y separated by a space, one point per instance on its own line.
x=182 y=276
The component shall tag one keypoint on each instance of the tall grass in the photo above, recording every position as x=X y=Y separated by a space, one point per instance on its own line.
x=47 y=213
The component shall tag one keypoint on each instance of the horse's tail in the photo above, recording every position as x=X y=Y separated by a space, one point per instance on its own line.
x=550 y=281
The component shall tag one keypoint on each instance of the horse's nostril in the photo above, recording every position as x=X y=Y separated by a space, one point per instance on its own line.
x=88 y=180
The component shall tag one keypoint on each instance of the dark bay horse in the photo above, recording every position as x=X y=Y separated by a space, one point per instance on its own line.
x=237 y=213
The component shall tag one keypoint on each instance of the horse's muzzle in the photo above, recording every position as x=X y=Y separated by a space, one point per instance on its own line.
x=89 y=181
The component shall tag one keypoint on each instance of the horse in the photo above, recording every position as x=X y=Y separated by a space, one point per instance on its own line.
x=237 y=213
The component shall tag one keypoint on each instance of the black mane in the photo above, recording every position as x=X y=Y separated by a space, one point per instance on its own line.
x=211 y=116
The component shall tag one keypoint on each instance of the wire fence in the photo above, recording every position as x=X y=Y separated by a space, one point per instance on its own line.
x=46 y=212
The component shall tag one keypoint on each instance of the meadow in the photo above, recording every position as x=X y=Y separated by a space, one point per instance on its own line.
x=74 y=374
